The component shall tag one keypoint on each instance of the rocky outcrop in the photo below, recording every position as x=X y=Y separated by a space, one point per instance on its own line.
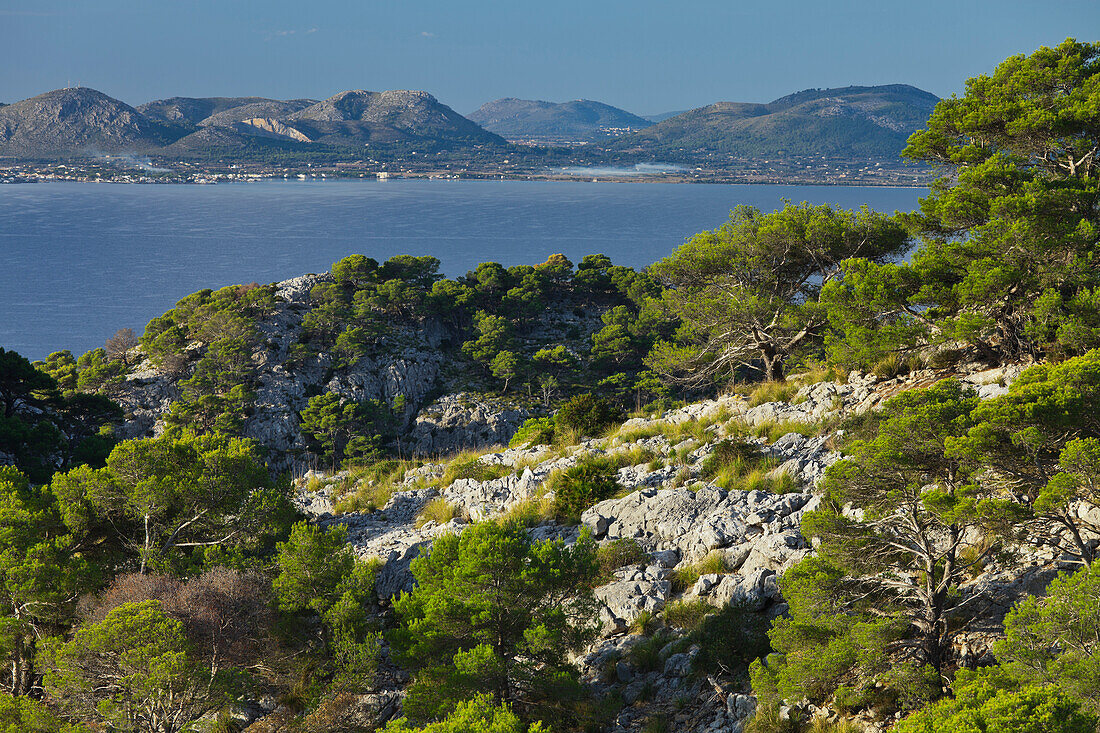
x=459 y=421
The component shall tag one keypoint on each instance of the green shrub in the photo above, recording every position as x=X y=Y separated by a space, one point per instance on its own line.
x=617 y=554
x=732 y=638
x=587 y=415
x=581 y=486
x=536 y=431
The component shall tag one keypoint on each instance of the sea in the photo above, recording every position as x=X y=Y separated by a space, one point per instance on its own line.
x=78 y=261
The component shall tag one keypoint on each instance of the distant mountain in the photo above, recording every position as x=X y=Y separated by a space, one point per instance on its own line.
x=263 y=108
x=191 y=110
x=78 y=121
x=357 y=117
x=664 y=115
x=581 y=120
x=850 y=122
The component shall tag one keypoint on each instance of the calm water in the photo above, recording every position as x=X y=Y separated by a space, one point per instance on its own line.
x=80 y=261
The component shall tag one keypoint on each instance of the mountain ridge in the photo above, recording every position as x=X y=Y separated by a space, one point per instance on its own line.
x=579 y=120
x=854 y=121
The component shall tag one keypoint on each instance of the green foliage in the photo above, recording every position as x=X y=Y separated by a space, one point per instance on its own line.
x=319 y=574
x=731 y=638
x=990 y=700
x=133 y=671
x=1053 y=641
x=495 y=612
x=534 y=431
x=1008 y=238
x=158 y=497
x=494 y=336
x=1041 y=442
x=343 y=429
x=579 y=487
x=618 y=554
x=479 y=715
x=587 y=415
x=910 y=470
x=40 y=575
x=24 y=715
x=505 y=366
x=747 y=293
x=50 y=429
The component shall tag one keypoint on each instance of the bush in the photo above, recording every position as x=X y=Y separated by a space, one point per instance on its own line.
x=587 y=415
x=581 y=486
x=536 y=431
x=733 y=637
x=619 y=554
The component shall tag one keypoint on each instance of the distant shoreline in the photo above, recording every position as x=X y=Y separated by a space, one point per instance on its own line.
x=222 y=178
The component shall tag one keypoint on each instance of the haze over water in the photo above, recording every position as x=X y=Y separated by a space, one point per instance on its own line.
x=80 y=261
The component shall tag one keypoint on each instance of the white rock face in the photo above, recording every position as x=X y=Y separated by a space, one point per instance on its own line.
x=459 y=421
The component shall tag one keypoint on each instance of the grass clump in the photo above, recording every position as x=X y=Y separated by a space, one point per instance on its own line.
x=438 y=510
x=577 y=488
x=530 y=512
x=772 y=392
x=369 y=487
x=618 y=554
x=715 y=563
x=687 y=615
x=773 y=430
x=468 y=465
x=739 y=465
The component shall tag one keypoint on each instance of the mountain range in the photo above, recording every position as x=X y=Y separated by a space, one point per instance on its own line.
x=852 y=122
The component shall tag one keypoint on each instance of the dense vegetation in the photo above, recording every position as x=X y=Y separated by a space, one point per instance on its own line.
x=150 y=584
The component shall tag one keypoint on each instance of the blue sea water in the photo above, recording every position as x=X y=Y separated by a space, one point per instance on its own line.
x=79 y=261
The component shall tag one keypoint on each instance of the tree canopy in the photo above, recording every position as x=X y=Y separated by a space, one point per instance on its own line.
x=747 y=292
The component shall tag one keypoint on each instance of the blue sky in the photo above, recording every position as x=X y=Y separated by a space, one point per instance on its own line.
x=646 y=56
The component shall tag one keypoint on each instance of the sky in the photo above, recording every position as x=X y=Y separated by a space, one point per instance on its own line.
x=646 y=56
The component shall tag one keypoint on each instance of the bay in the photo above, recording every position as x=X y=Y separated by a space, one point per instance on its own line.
x=79 y=261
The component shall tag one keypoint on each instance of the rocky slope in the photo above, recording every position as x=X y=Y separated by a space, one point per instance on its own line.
x=677 y=518
x=360 y=116
x=581 y=120
x=410 y=364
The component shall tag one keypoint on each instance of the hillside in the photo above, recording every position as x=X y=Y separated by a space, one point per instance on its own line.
x=78 y=121
x=581 y=120
x=849 y=122
x=358 y=116
x=192 y=110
